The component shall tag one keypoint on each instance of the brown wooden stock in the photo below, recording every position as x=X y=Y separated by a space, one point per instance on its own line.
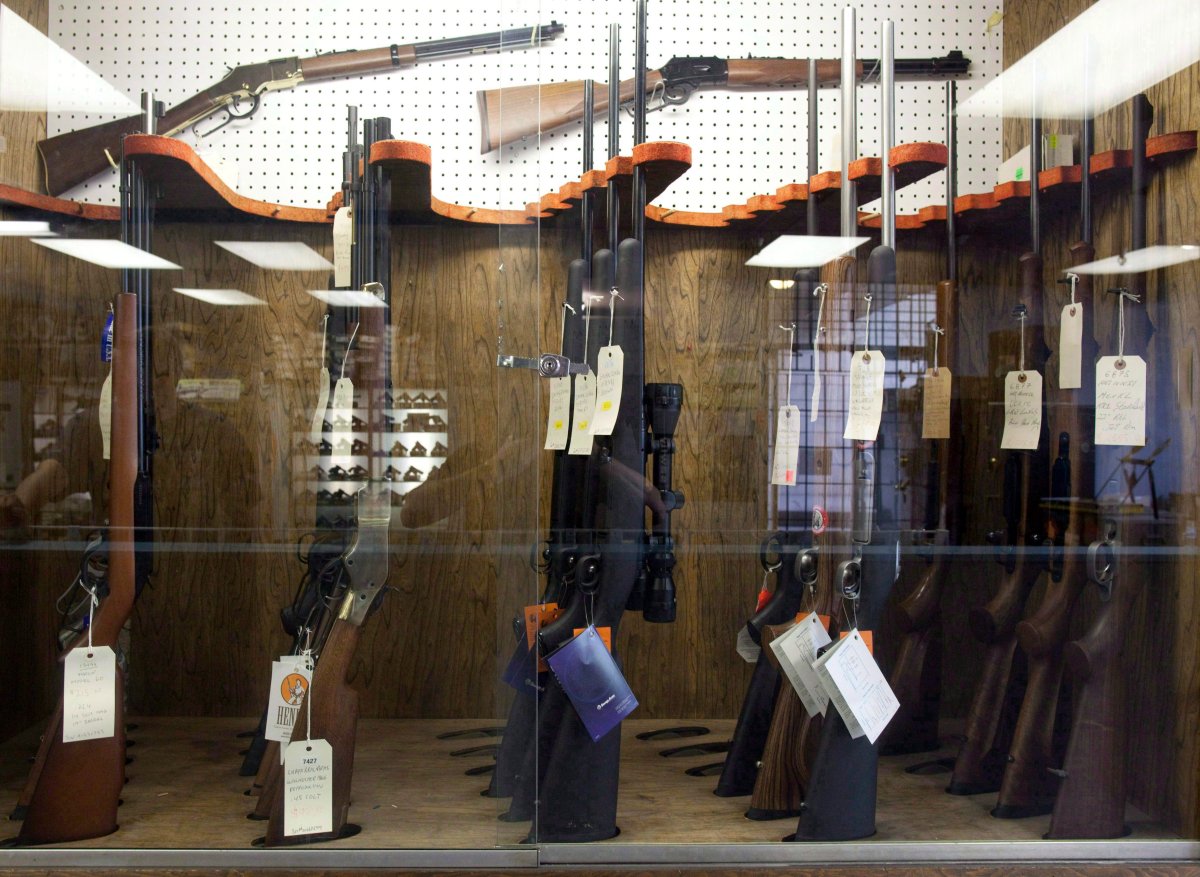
x=76 y=156
x=334 y=719
x=79 y=786
x=776 y=72
x=508 y=114
x=39 y=761
x=357 y=63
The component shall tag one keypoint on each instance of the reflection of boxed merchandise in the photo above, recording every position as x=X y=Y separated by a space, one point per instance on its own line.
x=1057 y=150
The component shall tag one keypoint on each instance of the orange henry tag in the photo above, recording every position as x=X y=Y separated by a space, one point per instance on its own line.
x=866 y=638
x=605 y=636
x=825 y=619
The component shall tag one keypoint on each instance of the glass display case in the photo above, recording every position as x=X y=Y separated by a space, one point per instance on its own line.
x=804 y=475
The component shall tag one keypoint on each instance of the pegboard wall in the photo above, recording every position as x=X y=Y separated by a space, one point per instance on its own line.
x=743 y=143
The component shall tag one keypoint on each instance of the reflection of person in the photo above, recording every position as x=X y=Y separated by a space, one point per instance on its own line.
x=76 y=466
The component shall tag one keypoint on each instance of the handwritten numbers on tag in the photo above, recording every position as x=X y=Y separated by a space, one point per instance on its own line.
x=1121 y=400
x=343 y=239
x=308 y=788
x=343 y=394
x=558 y=418
x=866 y=396
x=796 y=650
x=857 y=687
x=935 y=404
x=1022 y=411
x=787 y=446
x=609 y=379
x=581 y=420
x=89 y=694
x=1070 y=348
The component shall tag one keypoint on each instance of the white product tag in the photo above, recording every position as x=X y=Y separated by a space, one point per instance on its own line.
x=1022 y=411
x=1121 y=400
x=105 y=415
x=1070 y=348
x=747 y=647
x=343 y=394
x=787 y=446
x=558 y=419
x=796 y=650
x=89 y=694
x=866 y=396
x=581 y=419
x=318 y=418
x=610 y=373
x=935 y=404
x=343 y=239
x=308 y=788
x=341 y=410
x=289 y=682
x=857 y=687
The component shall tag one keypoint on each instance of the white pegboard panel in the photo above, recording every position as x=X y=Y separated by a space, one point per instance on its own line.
x=743 y=143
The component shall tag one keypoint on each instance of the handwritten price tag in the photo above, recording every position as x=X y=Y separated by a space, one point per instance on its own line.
x=308 y=788
x=1022 y=411
x=796 y=650
x=1070 y=348
x=609 y=378
x=581 y=420
x=857 y=687
x=1121 y=400
x=318 y=418
x=89 y=694
x=343 y=241
x=866 y=396
x=935 y=408
x=787 y=446
x=558 y=419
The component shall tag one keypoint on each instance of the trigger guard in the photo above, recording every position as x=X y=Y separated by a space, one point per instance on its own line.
x=1102 y=576
x=772 y=542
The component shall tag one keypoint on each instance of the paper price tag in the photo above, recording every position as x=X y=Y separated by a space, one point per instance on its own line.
x=1070 y=348
x=1022 y=411
x=308 y=788
x=787 y=446
x=314 y=430
x=1121 y=400
x=866 y=396
x=581 y=416
x=609 y=379
x=105 y=415
x=746 y=647
x=796 y=651
x=290 y=678
x=935 y=404
x=857 y=688
x=89 y=694
x=343 y=240
x=343 y=394
x=558 y=418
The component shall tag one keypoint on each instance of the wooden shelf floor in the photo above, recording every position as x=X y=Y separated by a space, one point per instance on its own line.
x=184 y=791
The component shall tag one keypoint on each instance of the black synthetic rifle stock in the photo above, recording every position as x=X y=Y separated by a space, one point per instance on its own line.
x=74 y=157
x=514 y=758
x=577 y=778
x=991 y=721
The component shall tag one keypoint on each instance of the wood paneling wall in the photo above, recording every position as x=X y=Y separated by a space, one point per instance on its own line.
x=19 y=162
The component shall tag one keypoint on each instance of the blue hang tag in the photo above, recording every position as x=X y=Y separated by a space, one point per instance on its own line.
x=106 y=339
x=521 y=672
x=594 y=683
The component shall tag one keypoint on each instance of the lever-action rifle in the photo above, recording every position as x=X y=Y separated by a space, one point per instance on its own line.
x=508 y=114
x=70 y=159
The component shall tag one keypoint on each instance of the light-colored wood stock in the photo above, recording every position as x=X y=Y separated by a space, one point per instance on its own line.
x=508 y=114
x=356 y=63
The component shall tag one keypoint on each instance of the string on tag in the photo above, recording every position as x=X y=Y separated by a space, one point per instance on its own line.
x=938 y=331
x=93 y=602
x=867 y=327
x=1123 y=294
x=562 y=329
x=1021 y=313
x=791 y=330
x=612 y=312
x=346 y=356
x=324 y=335
x=306 y=654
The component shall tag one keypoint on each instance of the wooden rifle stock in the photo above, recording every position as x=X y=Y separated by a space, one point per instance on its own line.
x=509 y=114
x=79 y=786
x=916 y=673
